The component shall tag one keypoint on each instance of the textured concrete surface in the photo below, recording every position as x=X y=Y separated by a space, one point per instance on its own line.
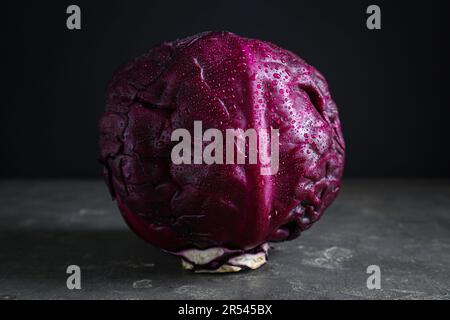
x=403 y=226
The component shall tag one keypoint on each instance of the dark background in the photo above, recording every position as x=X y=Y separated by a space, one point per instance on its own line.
x=387 y=83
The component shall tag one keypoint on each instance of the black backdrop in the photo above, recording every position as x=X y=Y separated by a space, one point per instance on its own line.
x=387 y=83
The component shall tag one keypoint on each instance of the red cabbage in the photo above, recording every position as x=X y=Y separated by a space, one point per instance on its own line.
x=220 y=217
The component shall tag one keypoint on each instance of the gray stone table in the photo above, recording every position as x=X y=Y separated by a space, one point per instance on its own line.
x=403 y=226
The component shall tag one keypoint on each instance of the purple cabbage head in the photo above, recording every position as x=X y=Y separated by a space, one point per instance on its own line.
x=220 y=217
